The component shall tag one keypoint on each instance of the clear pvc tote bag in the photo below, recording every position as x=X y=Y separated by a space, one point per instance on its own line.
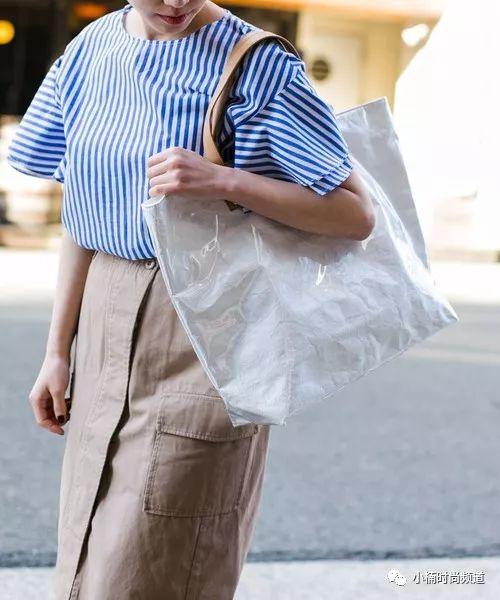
x=280 y=318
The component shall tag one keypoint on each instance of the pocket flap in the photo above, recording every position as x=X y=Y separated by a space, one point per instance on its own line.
x=201 y=417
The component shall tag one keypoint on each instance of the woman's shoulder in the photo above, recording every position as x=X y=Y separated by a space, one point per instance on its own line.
x=267 y=49
x=267 y=68
x=100 y=30
x=80 y=50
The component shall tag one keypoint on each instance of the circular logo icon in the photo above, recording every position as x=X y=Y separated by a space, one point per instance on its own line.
x=395 y=576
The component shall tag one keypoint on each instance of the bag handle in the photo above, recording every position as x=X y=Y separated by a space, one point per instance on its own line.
x=218 y=100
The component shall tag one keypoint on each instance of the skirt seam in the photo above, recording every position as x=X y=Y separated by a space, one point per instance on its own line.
x=84 y=439
x=193 y=562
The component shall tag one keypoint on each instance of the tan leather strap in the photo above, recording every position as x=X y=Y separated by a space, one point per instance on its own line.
x=217 y=103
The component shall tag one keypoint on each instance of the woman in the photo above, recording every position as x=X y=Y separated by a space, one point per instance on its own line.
x=159 y=492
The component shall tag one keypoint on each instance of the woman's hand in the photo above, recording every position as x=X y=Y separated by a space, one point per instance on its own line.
x=47 y=396
x=185 y=172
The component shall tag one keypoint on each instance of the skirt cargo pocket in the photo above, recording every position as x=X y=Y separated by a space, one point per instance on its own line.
x=199 y=459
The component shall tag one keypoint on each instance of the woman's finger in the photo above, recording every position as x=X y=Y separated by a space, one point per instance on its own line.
x=59 y=405
x=159 y=180
x=174 y=153
x=173 y=161
x=45 y=416
x=154 y=159
x=160 y=190
x=157 y=169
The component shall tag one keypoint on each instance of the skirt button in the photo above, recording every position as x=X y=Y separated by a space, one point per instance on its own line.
x=150 y=264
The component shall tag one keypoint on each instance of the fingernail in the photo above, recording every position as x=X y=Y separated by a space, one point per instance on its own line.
x=61 y=419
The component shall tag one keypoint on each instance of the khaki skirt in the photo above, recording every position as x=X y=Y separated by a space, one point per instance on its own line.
x=159 y=492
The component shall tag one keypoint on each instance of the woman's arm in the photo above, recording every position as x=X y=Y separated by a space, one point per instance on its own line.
x=345 y=212
x=47 y=395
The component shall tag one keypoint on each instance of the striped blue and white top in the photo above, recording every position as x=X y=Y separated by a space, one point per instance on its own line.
x=111 y=100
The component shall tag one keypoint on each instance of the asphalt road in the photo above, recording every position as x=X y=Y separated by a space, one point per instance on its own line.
x=403 y=464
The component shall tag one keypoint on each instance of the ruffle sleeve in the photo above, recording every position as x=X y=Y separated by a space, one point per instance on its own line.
x=288 y=133
x=39 y=145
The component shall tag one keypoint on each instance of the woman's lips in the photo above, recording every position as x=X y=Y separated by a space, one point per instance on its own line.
x=174 y=20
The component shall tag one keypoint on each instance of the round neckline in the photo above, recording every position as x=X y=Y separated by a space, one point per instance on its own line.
x=121 y=25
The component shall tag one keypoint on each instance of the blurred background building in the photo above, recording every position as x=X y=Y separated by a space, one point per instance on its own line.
x=410 y=51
